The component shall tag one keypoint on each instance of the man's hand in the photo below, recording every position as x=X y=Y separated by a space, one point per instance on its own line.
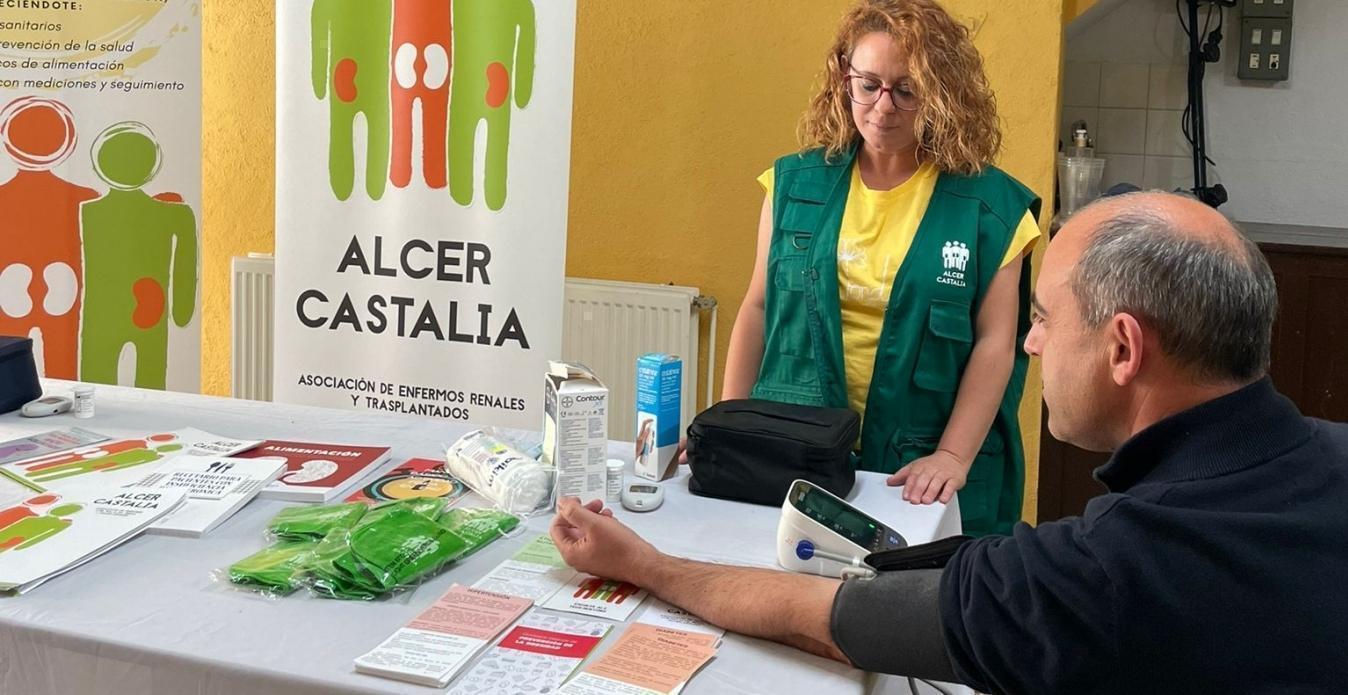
x=591 y=540
x=931 y=478
x=790 y=608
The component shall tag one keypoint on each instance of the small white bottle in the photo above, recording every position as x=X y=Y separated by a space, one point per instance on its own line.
x=84 y=402
x=613 y=491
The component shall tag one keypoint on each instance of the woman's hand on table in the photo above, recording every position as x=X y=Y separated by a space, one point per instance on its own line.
x=931 y=478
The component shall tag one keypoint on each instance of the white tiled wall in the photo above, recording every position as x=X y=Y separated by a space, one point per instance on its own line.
x=1133 y=111
x=1280 y=148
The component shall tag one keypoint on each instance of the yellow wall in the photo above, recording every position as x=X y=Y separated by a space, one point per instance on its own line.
x=238 y=146
x=1071 y=9
x=678 y=106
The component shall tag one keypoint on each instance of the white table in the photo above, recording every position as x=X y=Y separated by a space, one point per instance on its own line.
x=148 y=618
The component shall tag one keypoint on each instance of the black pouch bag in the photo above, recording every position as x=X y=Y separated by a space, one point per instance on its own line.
x=18 y=373
x=751 y=450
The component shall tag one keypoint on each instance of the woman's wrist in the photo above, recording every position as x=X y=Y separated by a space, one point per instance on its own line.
x=958 y=459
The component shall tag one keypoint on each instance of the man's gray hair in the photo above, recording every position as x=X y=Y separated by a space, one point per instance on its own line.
x=1211 y=304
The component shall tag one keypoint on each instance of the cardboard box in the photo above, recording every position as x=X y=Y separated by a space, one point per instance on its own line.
x=659 y=392
x=575 y=430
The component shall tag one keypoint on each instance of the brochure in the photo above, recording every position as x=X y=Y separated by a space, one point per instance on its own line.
x=646 y=660
x=216 y=487
x=440 y=641
x=536 y=572
x=413 y=478
x=597 y=598
x=50 y=533
x=118 y=463
x=661 y=614
x=536 y=656
x=47 y=443
x=316 y=472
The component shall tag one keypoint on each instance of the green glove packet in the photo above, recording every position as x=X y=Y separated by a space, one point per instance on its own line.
x=356 y=552
x=279 y=567
x=397 y=546
x=313 y=523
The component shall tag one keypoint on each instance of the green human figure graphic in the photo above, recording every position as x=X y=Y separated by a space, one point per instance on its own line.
x=35 y=529
x=136 y=248
x=112 y=462
x=486 y=58
x=350 y=53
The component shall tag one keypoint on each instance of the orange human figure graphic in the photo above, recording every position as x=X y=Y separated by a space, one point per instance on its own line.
x=35 y=528
x=422 y=42
x=41 y=260
x=25 y=509
x=104 y=457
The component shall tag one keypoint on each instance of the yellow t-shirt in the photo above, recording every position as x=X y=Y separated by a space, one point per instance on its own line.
x=878 y=228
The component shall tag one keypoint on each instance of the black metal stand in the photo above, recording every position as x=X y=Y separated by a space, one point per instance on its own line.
x=1197 y=127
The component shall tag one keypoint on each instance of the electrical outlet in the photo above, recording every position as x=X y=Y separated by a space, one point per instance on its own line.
x=1265 y=45
x=1266 y=8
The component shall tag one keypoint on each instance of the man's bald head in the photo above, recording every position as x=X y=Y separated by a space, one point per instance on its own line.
x=1185 y=215
x=1182 y=269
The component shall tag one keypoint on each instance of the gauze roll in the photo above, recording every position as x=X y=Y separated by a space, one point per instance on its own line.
x=495 y=469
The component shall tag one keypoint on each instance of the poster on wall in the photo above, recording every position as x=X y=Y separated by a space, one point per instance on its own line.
x=100 y=188
x=423 y=157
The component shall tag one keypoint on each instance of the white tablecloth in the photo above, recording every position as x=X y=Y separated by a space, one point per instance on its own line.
x=148 y=618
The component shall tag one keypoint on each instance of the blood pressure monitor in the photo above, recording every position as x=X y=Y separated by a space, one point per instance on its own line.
x=820 y=533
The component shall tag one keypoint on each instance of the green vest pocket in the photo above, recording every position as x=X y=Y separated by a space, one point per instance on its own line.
x=946 y=345
x=790 y=274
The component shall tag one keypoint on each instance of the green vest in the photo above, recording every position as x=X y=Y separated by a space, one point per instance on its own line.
x=929 y=323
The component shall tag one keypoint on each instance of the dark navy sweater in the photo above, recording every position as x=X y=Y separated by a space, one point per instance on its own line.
x=1217 y=562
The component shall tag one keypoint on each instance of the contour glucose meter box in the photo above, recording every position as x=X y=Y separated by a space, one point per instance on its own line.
x=575 y=430
x=659 y=388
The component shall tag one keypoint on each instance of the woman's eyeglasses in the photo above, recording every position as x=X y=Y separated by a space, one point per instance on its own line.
x=868 y=90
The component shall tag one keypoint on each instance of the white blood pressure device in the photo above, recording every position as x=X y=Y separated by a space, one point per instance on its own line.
x=820 y=533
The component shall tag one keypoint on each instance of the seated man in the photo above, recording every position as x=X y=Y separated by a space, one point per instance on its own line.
x=1216 y=562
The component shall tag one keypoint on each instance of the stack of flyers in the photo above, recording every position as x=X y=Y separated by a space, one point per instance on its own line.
x=536 y=656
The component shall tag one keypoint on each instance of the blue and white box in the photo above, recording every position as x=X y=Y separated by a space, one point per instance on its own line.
x=659 y=390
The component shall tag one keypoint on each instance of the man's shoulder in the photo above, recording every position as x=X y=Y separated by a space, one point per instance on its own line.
x=1333 y=434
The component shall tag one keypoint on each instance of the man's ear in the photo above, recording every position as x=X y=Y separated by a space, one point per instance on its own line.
x=1125 y=348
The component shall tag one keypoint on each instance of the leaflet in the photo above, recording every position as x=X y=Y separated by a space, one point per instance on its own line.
x=536 y=656
x=646 y=660
x=111 y=464
x=597 y=597
x=440 y=641
x=536 y=572
x=661 y=614
x=45 y=443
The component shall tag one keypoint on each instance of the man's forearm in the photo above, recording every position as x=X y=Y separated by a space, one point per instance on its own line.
x=785 y=607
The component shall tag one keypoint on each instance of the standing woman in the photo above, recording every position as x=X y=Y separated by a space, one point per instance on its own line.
x=889 y=275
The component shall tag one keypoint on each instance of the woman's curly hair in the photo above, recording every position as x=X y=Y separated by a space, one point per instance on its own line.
x=957 y=126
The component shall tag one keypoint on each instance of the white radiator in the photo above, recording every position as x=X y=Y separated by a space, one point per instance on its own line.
x=606 y=326
x=252 y=300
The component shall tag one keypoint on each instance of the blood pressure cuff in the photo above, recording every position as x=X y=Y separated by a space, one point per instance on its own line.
x=751 y=450
x=927 y=556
